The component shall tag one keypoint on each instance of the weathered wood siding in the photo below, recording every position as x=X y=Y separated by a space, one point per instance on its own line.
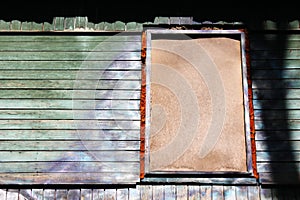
x=275 y=63
x=156 y=192
x=69 y=108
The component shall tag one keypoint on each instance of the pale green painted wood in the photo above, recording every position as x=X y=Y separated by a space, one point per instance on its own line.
x=70 y=114
x=15 y=25
x=4 y=25
x=99 y=26
x=70 y=156
x=68 y=65
x=69 y=23
x=123 y=134
x=69 y=124
x=69 y=104
x=59 y=23
x=81 y=22
x=37 y=26
x=69 y=145
x=68 y=56
x=26 y=26
x=121 y=37
x=70 y=84
x=70 y=167
x=119 y=26
x=71 y=94
x=74 y=46
x=70 y=178
x=71 y=75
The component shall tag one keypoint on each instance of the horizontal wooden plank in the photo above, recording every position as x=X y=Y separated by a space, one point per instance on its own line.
x=71 y=75
x=70 y=84
x=74 y=95
x=121 y=37
x=70 y=104
x=278 y=145
x=275 y=64
x=276 y=114
x=37 y=135
x=69 y=124
x=278 y=167
x=69 y=145
x=275 y=44
x=279 y=178
x=276 y=84
x=74 y=46
x=69 y=56
x=203 y=180
x=284 y=124
x=69 y=156
x=70 y=65
x=276 y=93
x=69 y=167
x=276 y=104
x=273 y=36
x=69 y=178
x=278 y=135
x=285 y=156
x=264 y=74
x=275 y=54
x=69 y=114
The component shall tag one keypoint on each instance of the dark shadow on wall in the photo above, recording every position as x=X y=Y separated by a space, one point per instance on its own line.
x=126 y=11
x=274 y=123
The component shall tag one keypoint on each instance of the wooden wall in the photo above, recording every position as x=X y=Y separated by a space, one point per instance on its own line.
x=275 y=64
x=44 y=141
x=69 y=109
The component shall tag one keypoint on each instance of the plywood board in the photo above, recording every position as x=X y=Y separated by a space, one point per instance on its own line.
x=197 y=108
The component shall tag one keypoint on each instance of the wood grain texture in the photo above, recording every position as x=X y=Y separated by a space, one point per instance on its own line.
x=69 y=109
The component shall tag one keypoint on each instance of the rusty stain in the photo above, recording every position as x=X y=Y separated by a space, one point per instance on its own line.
x=143 y=106
x=251 y=109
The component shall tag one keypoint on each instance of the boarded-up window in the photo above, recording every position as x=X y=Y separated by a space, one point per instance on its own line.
x=197 y=114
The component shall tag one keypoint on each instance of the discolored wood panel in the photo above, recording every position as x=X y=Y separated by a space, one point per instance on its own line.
x=69 y=109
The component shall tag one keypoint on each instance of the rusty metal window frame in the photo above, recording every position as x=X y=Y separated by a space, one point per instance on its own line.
x=145 y=104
